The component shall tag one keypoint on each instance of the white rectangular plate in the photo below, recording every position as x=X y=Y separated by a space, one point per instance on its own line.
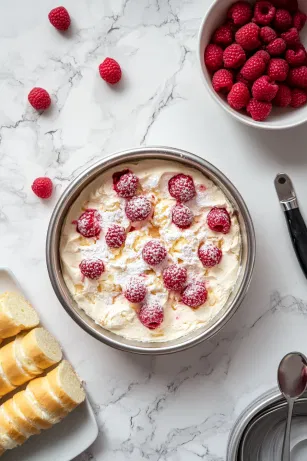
x=65 y=440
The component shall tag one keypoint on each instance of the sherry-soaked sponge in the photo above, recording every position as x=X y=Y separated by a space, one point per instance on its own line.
x=16 y=314
x=66 y=385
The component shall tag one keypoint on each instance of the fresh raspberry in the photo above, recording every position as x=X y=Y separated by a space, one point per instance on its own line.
x=291 y=37
x=259 y=110
x=181 y=187
x=283 y=96
x=241 y=79
x=174 y=277
x=264 y=89
x=240 y=13
x=194 y=294
x=110 y=71
x=135 y=290
x=253 y=68
x=127 y=185
x=91 y=268
x=39 y=98
x=299 y=98
x=218 y=220
x=138 y=208
x=234 y=56
x=222 y=81
x=278 y=69
x=223 y=36
x=42 y=187
x=296 y=57
x=298 y=77
x=248 y=36
x=277 y=47
x=151 y=315
x=182 y=216
x=267 y=34
x=115 y=236
x=264 y=13
x=213 y=57
x=59 y=18
x=299 y=20
x=154 y=252
x=89 y=223
x=283 y=20
x=290 y=5
x=263 y=55
x=239 y=96
x=210 y=255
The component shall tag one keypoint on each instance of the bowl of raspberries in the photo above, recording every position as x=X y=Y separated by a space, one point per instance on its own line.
x=254 y=60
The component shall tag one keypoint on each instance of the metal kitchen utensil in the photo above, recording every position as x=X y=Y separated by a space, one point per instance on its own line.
x=296 y=224
x=292 y=383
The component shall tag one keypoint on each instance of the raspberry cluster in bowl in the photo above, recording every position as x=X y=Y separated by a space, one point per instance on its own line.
x=256 y=58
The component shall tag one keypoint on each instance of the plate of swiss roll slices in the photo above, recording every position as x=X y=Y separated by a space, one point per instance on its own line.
x=44 y=412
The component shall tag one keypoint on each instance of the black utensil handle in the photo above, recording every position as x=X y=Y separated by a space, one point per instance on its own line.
x=298 y=232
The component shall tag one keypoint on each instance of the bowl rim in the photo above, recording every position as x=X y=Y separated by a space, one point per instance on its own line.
x=219 y=100
x=131 y=155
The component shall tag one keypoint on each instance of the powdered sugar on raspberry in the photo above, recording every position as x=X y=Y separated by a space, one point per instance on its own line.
x=138 y=208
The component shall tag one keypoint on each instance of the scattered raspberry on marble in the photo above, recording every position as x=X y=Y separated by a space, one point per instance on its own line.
x=264 y=89
x=239 y=96
x=277 y=47
x=59 y=18
x=234 y=56
x=115 y=236
x=253 y=68
x=174 y=277
x=296 y=57
x=91 y=268
x=182 y=216
x=283 y=96
x=299 y=20
x=222 y=81
x=89 y=223
x=138 y=208
x=298 y=77
x=291 y=37
x=181 y=187
x=154 y=252
x=278 y=69
x=110 y=71
x=267 y=34
x=42 y=187
x=240 y=13
x=298 y=98
x=210 y=255
x=135 y=290
x=264 y=13
x=195 y=294
x=218 y=220
x=263 y=55
x=213 y=57
x=39 y=98
x=223 y=36
x=127 y=185
x=258 y=110
x=151 y=315
x=283 y=20
x=248 y=36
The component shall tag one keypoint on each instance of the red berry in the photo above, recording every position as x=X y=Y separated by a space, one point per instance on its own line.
x=218 y=220
x=267 y=34
x=222 y=81
x=194 y=295
x=290 y=5
x=135 y=290
x=110 y=71
x=154 y=252
x=182 y=216
x=299 y=20
x=291 y=37
x=263 y=55
x=278 y=69
x=234 y=56
x=259 y=110
x=283 y=96
x=296 y=57
x=248 y=36
x=240 y=13
x=151 y=315
x=264 y=13
x=213 y=57
x=138 y=208
x=39 y=98
x=239 y=96
x=92 y=268
x=174 y=277
x=298 y=77
x=59 y=18
x=264 y=89
x=210 y=255
x=253 y=68
x=277 y=47
x=283 y=20
x=127 y=185
x=115 y=236
x=89 y=223
x=299 y=98
x=181 y=187
x=241 y=79
x=223 y=36
x=42 y=187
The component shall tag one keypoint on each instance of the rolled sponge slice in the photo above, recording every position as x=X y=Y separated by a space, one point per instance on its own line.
x=11 y=366
x=9 y=432
x=16 y=314
x=19 y=419
x=46 y=398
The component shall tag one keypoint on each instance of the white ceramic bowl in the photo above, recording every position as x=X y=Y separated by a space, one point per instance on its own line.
x=280 y=118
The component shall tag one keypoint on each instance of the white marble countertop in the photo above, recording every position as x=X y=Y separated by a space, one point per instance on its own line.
x=178 y=407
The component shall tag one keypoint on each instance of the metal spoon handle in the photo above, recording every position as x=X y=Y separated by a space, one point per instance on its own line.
x=286 y=445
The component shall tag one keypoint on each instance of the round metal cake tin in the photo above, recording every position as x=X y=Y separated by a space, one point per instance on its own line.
x=135 y=156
